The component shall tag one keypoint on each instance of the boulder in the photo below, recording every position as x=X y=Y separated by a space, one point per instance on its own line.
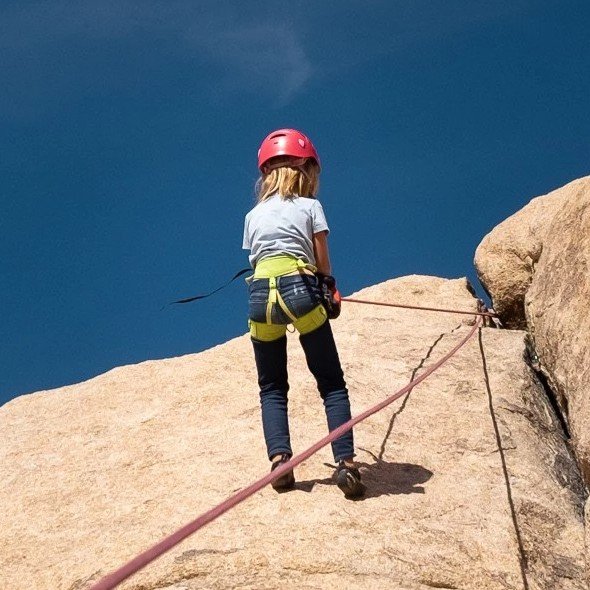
x=506 y=258
x=470 y=482
x=536 y=267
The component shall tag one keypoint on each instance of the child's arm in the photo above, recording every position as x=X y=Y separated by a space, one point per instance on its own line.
x=322 y=255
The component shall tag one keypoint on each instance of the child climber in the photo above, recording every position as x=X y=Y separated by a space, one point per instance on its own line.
x=286 y=233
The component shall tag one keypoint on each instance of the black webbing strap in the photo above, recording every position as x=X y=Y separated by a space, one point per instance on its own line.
x=196 y=297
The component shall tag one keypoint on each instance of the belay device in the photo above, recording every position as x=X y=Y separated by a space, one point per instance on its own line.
x=331 y=298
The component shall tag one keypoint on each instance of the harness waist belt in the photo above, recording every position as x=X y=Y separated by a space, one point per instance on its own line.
x=277 y=266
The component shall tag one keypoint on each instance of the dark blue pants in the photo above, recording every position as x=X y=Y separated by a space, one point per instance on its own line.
x=323 y=362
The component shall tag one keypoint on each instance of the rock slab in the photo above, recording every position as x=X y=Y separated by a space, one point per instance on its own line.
x=470 y=482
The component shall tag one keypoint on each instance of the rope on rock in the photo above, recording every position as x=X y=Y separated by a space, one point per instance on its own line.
x=137 y=563
x=487 y=313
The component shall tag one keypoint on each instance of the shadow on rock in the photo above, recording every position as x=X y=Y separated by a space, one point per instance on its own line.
x=384 y=478
x=381 y=478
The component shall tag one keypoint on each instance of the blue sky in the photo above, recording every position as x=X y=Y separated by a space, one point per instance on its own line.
x=128 y=139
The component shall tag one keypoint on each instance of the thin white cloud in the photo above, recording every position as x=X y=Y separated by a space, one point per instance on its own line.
x=40 y=41
x=266 y=58
x=256 y=47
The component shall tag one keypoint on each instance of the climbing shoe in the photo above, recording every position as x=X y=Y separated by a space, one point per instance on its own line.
x=349 y=480
x=285 y=482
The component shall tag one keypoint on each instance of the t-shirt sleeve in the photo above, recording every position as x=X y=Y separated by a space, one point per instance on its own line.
x=318 y=218
x=246 y=242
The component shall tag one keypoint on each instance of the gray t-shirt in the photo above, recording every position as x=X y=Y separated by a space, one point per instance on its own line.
x=283 y=226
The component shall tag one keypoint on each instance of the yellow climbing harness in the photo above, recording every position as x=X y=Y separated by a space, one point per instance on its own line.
x=271 y=268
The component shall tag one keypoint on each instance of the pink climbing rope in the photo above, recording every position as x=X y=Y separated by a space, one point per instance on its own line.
x=488 y=314
x=113 y=579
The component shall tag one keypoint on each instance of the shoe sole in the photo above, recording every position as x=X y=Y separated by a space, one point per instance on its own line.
x=349 y=484
x=284 y=483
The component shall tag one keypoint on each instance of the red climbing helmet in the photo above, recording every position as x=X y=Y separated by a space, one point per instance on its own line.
x=285 y=142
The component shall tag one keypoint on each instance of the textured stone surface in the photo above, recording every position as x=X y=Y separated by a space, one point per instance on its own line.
x=470 y=482
x=506 y=258
x=550 y=295
x=558 y=318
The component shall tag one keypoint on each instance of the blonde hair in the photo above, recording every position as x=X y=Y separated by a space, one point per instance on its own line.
x=288 y=180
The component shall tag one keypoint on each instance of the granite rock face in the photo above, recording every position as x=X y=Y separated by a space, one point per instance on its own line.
x=536 y=266
x=470 y=481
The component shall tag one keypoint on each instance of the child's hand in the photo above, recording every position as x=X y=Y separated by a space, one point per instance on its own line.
x=332 y=300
